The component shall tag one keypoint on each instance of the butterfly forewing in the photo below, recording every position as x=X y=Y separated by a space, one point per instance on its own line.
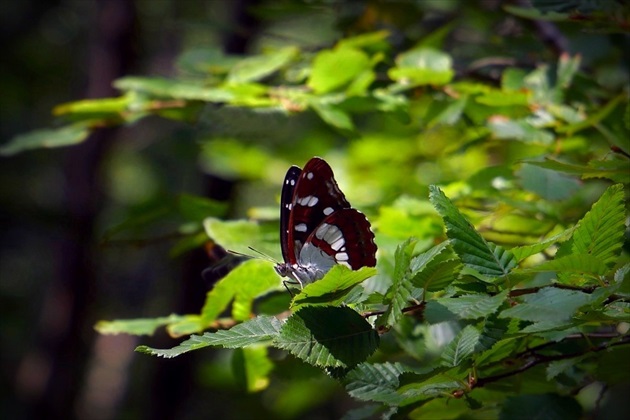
x=286 y=205
x=316 y=196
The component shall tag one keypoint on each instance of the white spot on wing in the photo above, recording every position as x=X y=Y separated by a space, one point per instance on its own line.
x=292 y=182
x=328 y=211
x=341 y=256
x=338 y=244
x=322 y=230
x=301 y=227
x=308 y=201
x=309 y=175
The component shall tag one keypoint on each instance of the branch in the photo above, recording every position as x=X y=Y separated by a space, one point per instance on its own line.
x=537 y=359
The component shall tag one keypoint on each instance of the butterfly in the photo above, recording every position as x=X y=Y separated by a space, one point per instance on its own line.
x=318 y=227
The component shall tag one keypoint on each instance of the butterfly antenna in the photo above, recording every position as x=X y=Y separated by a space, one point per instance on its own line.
x=263 y=255
x=260 y=255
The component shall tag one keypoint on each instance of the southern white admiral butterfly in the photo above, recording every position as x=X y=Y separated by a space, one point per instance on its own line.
x=318 y=227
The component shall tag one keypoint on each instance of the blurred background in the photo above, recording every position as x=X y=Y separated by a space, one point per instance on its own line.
x=63 y=266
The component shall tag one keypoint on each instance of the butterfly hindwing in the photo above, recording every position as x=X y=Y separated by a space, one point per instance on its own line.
x=346 y=236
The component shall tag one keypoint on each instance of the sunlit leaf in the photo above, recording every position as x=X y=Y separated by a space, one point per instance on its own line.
x=251 y=367
x=175 y=89
x=333 y=288
x=247 y=281
x=255 y=68
x=261 y=329
x=334 y=68
x=422 y=66
x=142 y=326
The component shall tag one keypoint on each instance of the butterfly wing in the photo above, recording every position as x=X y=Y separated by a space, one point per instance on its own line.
x=286 y=204
x=315 y=196
x=344 y=237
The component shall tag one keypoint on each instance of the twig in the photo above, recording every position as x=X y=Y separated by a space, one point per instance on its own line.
x=538 y=359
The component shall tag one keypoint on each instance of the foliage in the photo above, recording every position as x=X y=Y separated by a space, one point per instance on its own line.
x=499 y=208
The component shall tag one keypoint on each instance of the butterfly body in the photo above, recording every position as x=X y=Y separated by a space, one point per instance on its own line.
x=318 y=227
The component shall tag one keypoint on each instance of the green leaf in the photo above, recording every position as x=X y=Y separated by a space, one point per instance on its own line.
x=522 y=252
x=257 y=67
x=251 y=367
x=498 y=98
x=370 y=40
x=438 y=384
x=567 y=67
x=462 y=307
x=506 y=128
x=400 y=291
x=600 y=232
x=239 y=236
x=616 y=170
x=46 y=139
x=548 y=184
x=95 y=108
x=544 y=406
x=328 y=336
x=549 y=303
x=579 y=264
x=195 y=208
x=333 y=288
x=422 y=66
x=193 y=343
x=258 y=330
x=594 y=119
x=333 y=69
x=474 y=251
x=140 y=326
x=558 y=367
x=435 y=269
x=333 y=115
x=161 y=87
x=462 y=347
x=375 y=382
x=247 y=281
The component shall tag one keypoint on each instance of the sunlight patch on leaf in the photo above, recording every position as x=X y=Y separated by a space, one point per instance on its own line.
x=245 y=282
x=258 y=330
x=333 y=288
x=140 y=326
